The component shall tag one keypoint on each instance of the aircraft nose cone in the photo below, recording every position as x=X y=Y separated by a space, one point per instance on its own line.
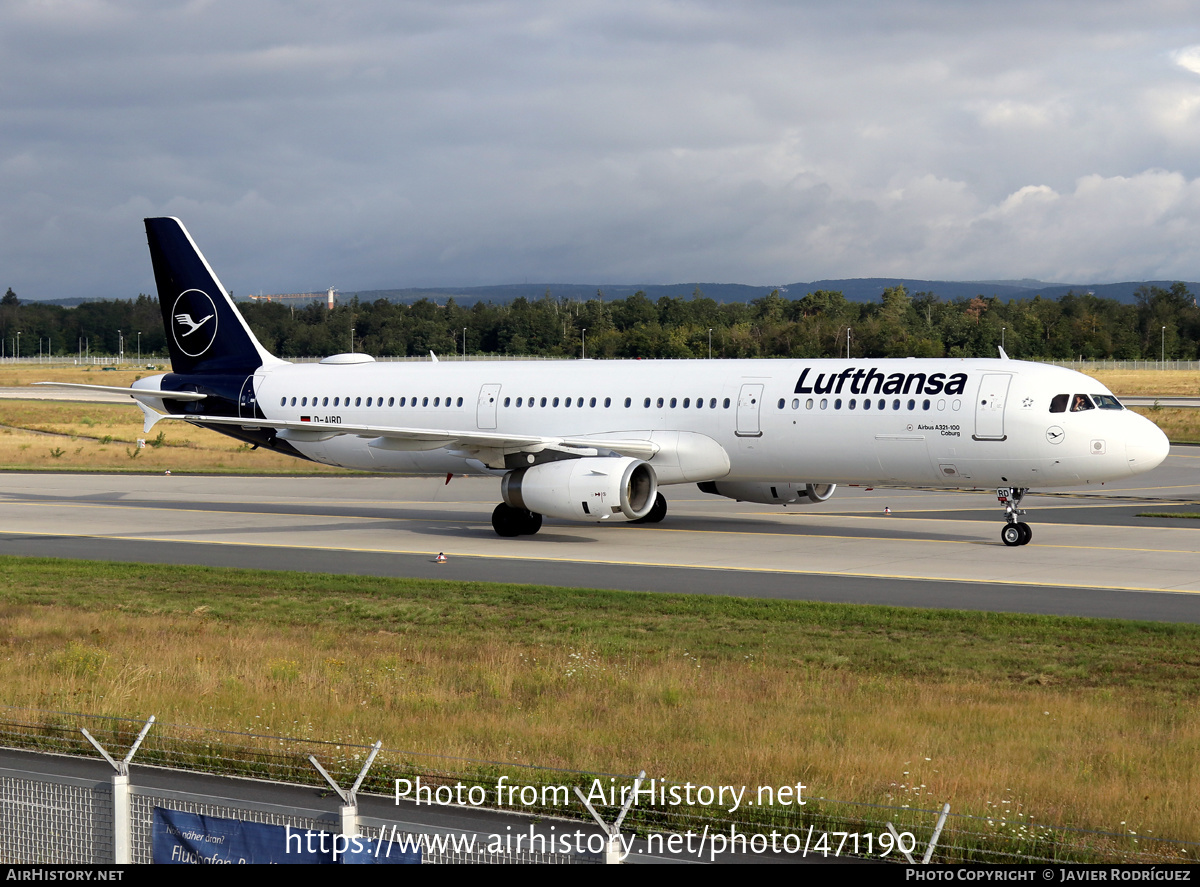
x=1147 y=448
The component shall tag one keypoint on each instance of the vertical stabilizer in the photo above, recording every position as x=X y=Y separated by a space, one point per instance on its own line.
x=205 y=331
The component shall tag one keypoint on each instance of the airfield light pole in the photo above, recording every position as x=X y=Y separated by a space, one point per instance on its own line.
x=1162 y=353
x=351 y=340
x=847 y=343
x=1002 y=329
x=710 y=343
x=18 y=344
x=139 y=346
x=464 y=343
x=120 y=347
x=584 y=351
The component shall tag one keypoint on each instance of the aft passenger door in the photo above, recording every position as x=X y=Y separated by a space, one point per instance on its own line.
x=247 y=404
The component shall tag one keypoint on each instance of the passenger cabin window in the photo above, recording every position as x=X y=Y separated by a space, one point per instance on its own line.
x=1059 y=404
x=1080 y=402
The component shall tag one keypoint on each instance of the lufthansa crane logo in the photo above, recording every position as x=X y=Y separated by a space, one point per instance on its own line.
x=194 y=322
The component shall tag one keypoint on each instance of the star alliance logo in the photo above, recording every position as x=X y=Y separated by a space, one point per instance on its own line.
x=194 y=337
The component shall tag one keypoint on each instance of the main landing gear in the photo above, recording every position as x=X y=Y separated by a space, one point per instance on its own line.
x=1015 y=532
x=656 y=513
x=508 y=521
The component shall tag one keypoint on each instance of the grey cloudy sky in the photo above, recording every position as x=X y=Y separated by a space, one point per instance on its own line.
x=402 y=143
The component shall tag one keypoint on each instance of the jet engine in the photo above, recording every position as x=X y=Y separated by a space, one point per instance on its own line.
x=592 y=488
x=782 y=493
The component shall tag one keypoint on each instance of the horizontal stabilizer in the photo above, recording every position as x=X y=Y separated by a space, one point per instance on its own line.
x=135 y=393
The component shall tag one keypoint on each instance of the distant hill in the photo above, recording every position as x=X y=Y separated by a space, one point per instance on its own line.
x=857 y=289
x=70 y=303
x=721 y=292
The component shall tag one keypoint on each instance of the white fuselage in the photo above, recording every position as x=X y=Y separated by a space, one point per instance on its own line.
x=922 y=422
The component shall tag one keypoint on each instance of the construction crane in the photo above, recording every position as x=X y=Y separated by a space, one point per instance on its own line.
x=279 y=297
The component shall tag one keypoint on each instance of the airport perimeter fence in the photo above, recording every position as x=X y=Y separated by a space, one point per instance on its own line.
x=61 y=820
x=159 y=362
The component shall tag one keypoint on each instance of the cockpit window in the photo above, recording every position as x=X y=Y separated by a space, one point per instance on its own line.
x=1107 y=402
x=1059 y=404
x=1080 y=402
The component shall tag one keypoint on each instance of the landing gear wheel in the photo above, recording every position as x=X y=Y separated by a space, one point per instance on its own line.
x=506 y=521
x=656 y=513
x=1015 y=532
x=509 y=522
x=531 y=523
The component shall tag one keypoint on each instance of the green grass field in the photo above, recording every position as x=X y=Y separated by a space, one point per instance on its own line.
x=1091 y=723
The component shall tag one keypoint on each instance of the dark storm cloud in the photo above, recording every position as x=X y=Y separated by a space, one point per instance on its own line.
x=378 y=144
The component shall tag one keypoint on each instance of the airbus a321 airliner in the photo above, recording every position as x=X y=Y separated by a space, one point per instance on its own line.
x=595 y=440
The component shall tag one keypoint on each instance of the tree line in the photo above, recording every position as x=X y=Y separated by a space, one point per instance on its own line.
x=821 y=324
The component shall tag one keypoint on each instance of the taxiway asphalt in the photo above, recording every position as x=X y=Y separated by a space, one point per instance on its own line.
x=1091 y=555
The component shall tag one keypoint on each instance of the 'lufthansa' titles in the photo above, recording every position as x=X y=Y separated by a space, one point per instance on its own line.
x=861 y=380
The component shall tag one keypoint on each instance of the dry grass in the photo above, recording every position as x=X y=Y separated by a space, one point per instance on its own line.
x=21 y=375
x=103 y=437
x=693 y=690
x=1180 y=426
x=1149 y=383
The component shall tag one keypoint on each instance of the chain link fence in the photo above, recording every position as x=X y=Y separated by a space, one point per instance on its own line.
x=36 y=815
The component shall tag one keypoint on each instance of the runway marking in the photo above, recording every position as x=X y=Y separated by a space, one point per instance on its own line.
x=623 y=563
x=694 y=530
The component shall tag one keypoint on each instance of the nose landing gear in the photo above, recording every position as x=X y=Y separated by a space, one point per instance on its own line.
x=1015 y=532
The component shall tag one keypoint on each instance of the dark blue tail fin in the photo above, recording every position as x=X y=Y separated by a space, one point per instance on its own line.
x=205 y=332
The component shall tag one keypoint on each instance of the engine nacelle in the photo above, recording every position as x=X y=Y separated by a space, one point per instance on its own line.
x=592 y=488
x=782 y=493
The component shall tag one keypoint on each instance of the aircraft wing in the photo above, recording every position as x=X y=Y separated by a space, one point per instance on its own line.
x=390 y=437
